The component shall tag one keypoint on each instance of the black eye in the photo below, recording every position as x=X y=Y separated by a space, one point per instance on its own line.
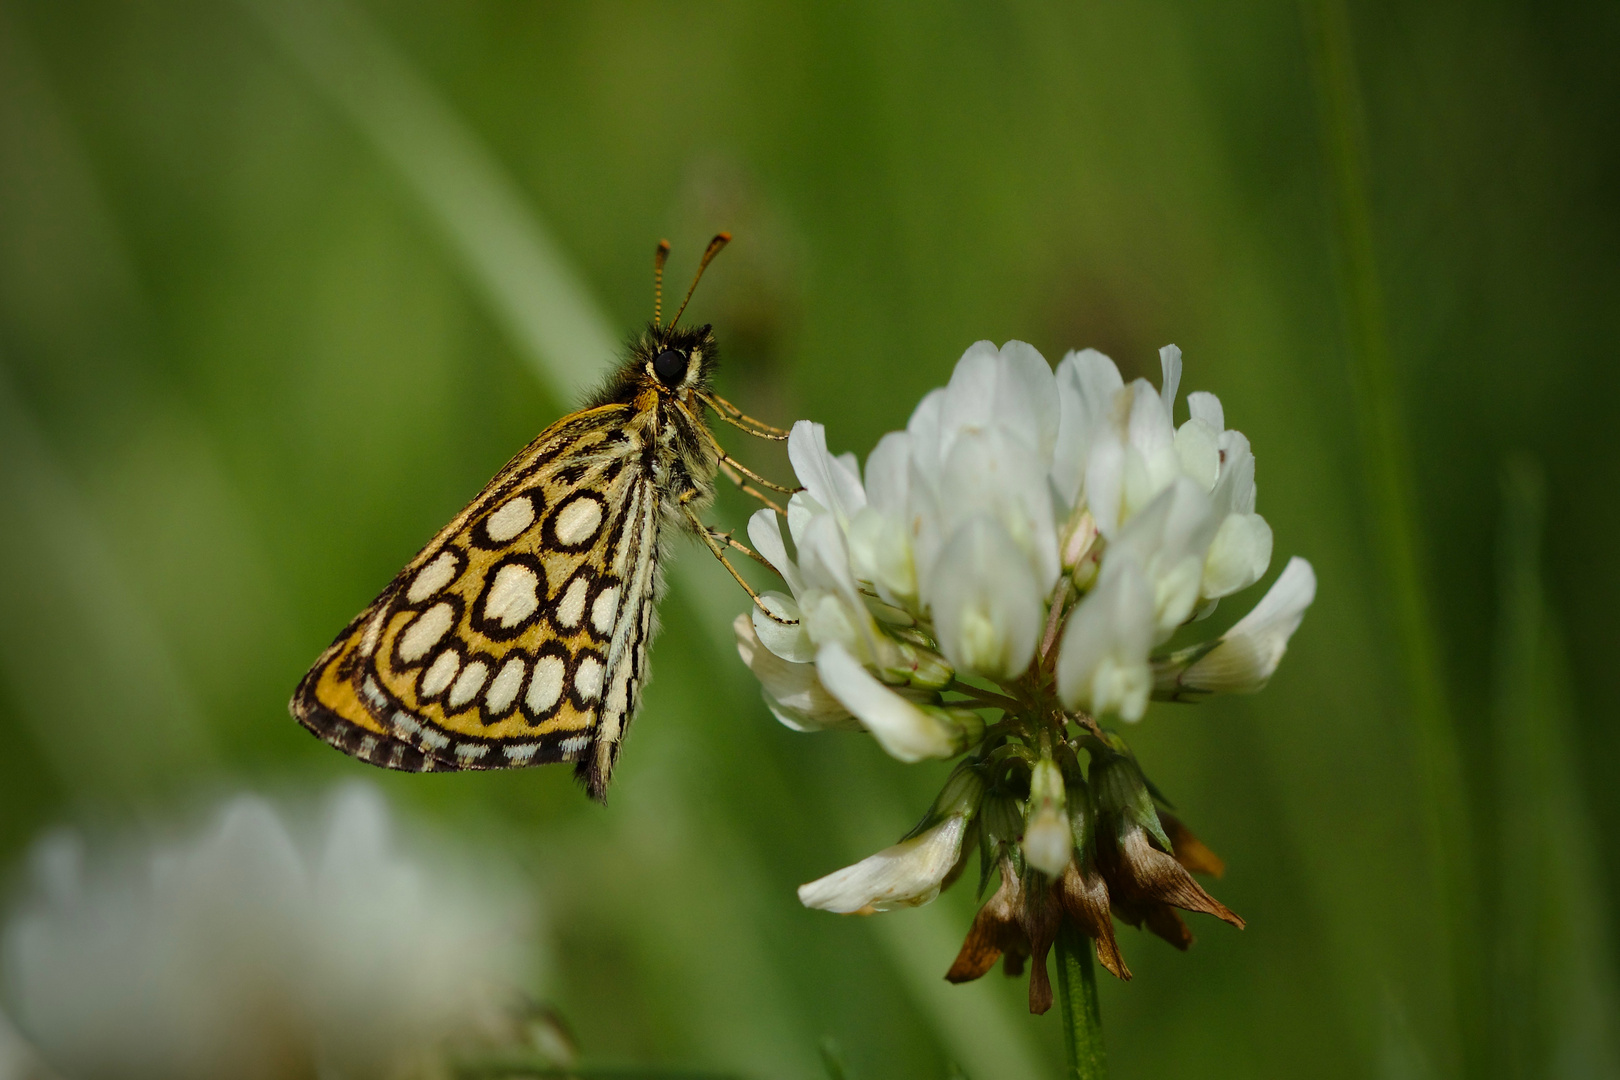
x=670 y=367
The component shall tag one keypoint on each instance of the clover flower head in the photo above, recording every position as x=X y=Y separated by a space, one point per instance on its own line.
x=1003 y=577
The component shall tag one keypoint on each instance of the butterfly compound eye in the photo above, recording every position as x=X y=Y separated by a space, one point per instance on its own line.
x=670 y=367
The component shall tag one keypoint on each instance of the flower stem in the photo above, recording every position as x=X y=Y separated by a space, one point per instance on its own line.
x=1077 y=1002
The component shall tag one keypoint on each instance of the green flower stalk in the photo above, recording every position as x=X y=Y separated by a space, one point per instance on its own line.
x=999 y=584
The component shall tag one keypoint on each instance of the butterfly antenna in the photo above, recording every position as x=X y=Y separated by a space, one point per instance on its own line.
x=720 y=241
x=659 y=258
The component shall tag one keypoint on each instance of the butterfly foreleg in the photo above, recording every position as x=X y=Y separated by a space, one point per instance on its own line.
x=721 y=536
x=748 y=489
x=712 y=538
x=741 y=420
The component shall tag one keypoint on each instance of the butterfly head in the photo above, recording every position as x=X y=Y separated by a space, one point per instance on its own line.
x=678 y=360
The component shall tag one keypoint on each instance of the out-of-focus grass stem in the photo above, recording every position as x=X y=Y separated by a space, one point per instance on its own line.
x=1387 y=479
x=85 y=656
x=1520 y=770
x=1554 y=1001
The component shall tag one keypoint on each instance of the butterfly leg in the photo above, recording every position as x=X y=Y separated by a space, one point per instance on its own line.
x=748 y=489
x=720 y=536
x=708 y=536
x=741 y=420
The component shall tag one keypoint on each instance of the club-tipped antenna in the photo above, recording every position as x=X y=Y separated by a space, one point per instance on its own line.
x=659 y=257
x=720 y=240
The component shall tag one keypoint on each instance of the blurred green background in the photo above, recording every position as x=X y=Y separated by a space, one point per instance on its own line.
x=281 y=285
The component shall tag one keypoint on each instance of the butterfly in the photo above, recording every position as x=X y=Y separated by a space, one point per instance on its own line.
x=519 y=635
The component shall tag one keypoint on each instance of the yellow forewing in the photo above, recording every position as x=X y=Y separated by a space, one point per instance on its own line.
x=518 y=635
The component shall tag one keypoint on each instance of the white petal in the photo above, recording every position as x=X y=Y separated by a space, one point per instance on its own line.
x=765 y=530
x=826 y=616
x=880 y=553
x=1198 y=447
x=1167 y=540
x=905 y=875
x=793 y=691
x=986 y=603
x=790 y=641
x=907 y=732
x=1150 y=433
x=802 y=508
x=1148 y=426
x=1105 y=482
x=1249 y=653
x=1087 y=382
x=1026 y=396
x=990 y=472
x=1170 y=368
x=824 y=557
x=1238 y=556
x=924 y=428
x=924 y=522
x=1103 y=660
x=832 y=482
x=1048 y=842
x=1235 y=492
x=1206 y=407
x=970 y=396
x=888 y=472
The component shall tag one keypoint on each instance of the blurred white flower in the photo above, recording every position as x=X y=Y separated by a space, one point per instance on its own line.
x=259 y=949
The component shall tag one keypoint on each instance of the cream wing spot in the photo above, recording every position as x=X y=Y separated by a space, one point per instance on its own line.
x=588 y=678
x=577 y=521
x=425 y=632
x=546 y=685
x=571 y=607
x=433 y=577
x=468 y=683
x=504 y=689
x=513 y=596
x=603 y=609
x=510 y=519
x=444 y=668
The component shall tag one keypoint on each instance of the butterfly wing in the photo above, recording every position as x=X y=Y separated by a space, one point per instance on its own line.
x=518 y=636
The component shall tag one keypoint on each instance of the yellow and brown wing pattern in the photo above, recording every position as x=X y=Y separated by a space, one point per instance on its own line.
x=518 y=636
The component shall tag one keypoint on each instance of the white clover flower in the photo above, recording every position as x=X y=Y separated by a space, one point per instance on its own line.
x=908 y=731
x=1244 y=658
x=997 y=583
x=793 y=691
x=258 y=949
x=1103 y=662
x=908 y=874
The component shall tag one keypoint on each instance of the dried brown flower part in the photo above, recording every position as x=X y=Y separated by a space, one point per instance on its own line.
x=1141 y=874
x=1160 y=919
x=997 y=929
x=1190 y=851
x=1020 y=922
x=1042 y=917
x=1084 y=896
